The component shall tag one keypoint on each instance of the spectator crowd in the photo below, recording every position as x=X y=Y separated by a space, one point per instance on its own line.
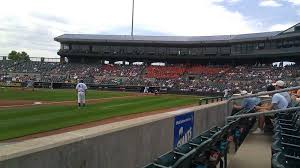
x=194 y=78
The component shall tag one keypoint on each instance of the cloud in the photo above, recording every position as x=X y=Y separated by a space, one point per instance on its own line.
x=234 y=1
x=294 y=2
x=226 y=1
x=269 y=3
x=190 y=18
x=49 y=18
x=34 y=28
x=280 y=27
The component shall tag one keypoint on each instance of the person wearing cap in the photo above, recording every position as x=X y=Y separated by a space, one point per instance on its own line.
x=281 y=85
x=278 y=102
x=226 y=93
x=248 y=103
x=81 y=90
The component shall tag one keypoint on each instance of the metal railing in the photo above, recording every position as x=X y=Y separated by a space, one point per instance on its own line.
x=260 y=113
x=210 y=100
x=36 y=59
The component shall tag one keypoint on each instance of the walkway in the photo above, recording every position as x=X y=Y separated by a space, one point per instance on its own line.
x=255 y=152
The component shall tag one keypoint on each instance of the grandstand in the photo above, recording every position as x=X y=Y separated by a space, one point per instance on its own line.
x=202 y=65
x=253 y=48
x=198 y=64
x=198 y=79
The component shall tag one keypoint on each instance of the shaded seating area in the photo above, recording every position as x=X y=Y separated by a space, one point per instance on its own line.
x=209 y=149
x=286 y=140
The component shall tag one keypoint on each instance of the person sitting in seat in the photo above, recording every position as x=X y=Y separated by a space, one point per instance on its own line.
x=248 y=103
x=278 y=102
x=281 y=85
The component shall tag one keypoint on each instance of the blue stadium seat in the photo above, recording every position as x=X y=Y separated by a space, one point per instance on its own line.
x=281 y=160
x=168 y=159
x=185 y=148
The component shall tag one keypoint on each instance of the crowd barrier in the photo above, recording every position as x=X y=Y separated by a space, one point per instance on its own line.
x=210 y=148
x=210 y=100
x=131 y=143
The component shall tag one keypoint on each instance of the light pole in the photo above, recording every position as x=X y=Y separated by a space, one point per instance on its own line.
x=132 y=16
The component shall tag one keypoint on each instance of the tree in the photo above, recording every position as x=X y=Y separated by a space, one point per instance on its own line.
x=24 y=56
x=13 y=55
x=18 y=56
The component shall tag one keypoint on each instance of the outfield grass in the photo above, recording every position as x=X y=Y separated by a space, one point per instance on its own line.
x=16 y=122
x=53 y=95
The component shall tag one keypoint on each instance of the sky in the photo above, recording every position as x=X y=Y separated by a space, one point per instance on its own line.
x=31 y=25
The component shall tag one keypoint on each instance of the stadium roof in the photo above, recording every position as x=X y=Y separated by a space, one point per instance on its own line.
x=128 y=38
x=292 y=31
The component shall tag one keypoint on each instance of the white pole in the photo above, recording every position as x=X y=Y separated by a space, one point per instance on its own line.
x=132 y=17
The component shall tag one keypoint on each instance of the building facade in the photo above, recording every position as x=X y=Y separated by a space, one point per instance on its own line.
x=253 y=48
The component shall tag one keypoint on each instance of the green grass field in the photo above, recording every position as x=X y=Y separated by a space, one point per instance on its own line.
x=53 y=95
x=17 y=122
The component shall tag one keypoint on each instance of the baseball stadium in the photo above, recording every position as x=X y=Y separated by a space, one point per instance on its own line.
x=154 y=102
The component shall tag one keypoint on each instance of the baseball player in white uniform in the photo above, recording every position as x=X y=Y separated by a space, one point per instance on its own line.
x=81 y=89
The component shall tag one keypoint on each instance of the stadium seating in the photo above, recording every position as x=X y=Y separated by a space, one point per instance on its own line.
x=179 y=77
x=286 y=140
x=206 y=70
x=206 y=150
x=165 y=72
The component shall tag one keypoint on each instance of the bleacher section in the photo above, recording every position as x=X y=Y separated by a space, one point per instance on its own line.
x=179 y=77
x=209 y=149
x=286 y=140
x=206 y=70
x=165 y=72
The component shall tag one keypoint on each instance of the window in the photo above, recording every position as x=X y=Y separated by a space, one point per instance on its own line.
x=250 y=47
x=210 y=50
x=96 y=48
x=297 y=43
x=261 y=45
x=237 y=48
x=279 y=44
x=66 y=47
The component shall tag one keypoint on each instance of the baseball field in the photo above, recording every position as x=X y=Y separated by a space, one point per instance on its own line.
x=27 y=112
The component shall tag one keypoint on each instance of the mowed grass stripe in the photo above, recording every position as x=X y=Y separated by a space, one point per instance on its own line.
x=54 y=95
x=68 y=111
x=30 y=111
x=63 y=116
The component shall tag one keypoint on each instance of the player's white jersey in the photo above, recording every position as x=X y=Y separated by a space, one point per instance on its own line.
x=81 y=87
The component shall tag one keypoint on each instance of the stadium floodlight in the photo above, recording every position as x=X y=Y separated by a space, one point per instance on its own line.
x=132 y=17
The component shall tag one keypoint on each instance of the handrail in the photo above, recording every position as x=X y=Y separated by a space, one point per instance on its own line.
x=265 y=93
x=260 y=94
x=211 y=98
x=260 y=113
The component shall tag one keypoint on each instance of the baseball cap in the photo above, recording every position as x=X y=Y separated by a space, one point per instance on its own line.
x=279 y=83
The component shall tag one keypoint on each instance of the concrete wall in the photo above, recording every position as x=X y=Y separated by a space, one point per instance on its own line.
x=127 y=144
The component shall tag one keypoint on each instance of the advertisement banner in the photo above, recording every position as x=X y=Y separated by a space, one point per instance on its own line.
x=183 y=128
